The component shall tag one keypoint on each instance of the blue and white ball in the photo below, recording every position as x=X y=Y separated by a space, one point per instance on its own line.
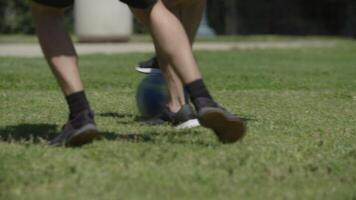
x=152 y=95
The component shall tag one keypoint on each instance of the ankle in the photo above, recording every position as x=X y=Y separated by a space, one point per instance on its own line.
x=77 y=103
x=200 y=95
x=197 y=89
x=174 y=106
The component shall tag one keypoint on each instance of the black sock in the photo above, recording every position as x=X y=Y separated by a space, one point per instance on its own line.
x=77 y=102
x=197 y=89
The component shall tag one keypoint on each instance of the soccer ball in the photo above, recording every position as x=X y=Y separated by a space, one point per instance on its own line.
x=152 y=95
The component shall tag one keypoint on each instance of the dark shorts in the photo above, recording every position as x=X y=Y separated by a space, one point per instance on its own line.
x=66 y=3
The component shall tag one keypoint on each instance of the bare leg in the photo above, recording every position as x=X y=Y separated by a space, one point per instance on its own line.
x=174 y=50
x=57 y=47
x=61 y=56
x=190 y=14
x=173 y=47
x=174 y=85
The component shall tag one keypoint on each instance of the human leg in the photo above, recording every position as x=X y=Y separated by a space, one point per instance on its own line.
x=189 y=14
x=173 y=47
x=163 y=25
x=61 y=57
x=175 y=87
x=57 y=47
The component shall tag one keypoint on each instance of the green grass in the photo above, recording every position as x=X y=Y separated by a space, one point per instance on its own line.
x=300 y=145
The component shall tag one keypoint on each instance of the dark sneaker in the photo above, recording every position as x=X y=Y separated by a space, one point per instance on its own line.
x=79 y=131
x=185 y=118
x=227 y=127
x=148 y=66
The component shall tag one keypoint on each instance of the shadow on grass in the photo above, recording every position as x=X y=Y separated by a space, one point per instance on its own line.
x=172 y=136
x=45 y=132
x=35 y=133
x=28 y=132
x=130 y=119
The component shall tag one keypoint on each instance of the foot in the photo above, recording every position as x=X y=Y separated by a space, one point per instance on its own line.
x=78 y=131
x=226 y=126
x=185 y=118
x=148 y=66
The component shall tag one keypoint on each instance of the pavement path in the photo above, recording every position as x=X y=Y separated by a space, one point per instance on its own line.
x=33 y=50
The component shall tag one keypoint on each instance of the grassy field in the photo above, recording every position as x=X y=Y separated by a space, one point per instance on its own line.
x=301 y=143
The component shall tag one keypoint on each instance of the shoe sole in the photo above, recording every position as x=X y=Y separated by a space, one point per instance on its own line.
x=188 y=124
x=84 y=135
x=228 y=129
x=147 y=70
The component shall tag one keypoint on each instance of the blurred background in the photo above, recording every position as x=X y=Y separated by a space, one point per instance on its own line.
x=232 y=17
